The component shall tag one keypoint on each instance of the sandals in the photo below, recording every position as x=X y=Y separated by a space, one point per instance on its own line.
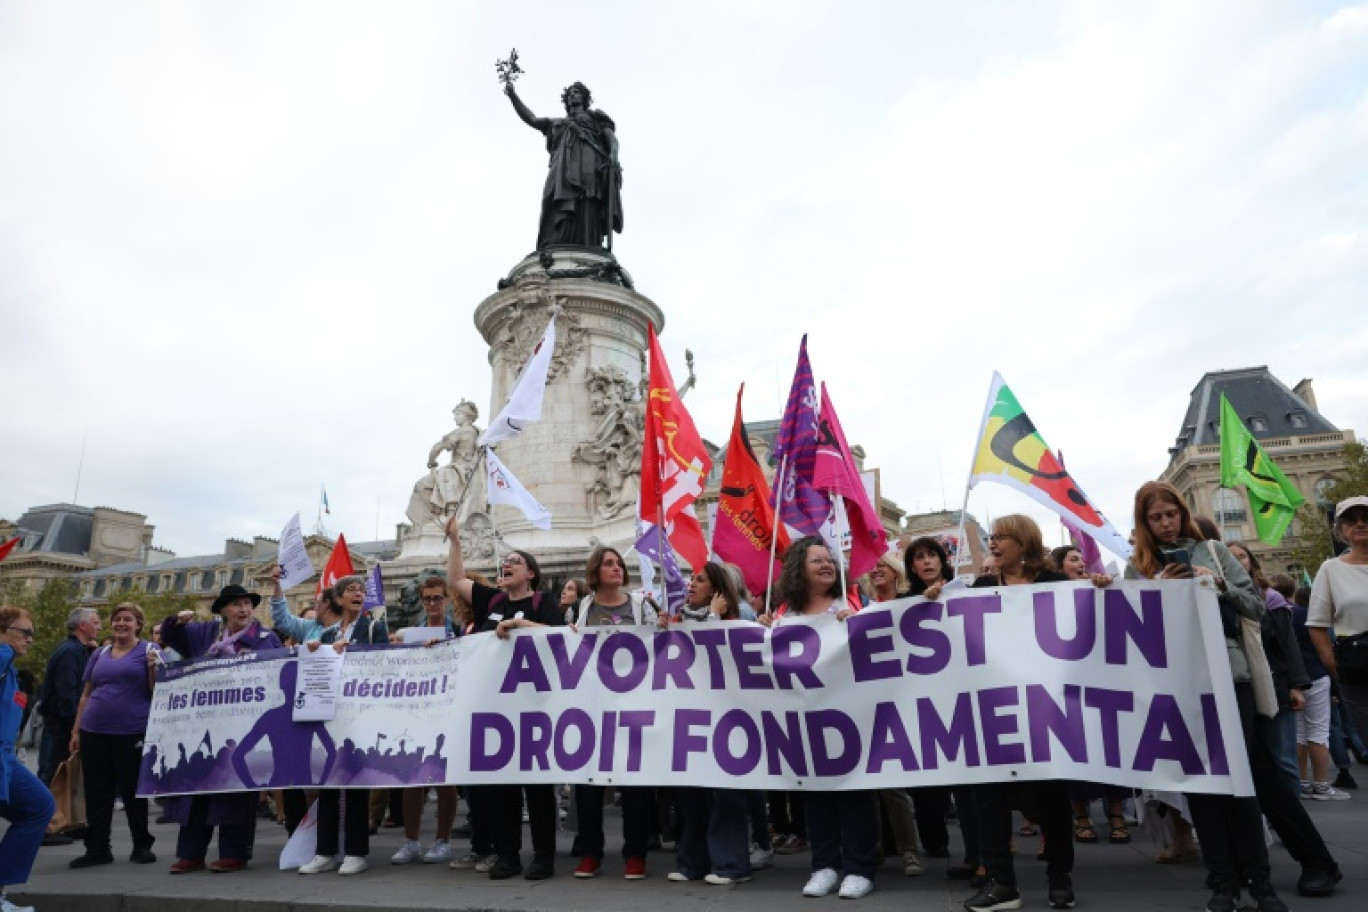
x=1083 y=830
x=1119 y=835
x=1028 y=829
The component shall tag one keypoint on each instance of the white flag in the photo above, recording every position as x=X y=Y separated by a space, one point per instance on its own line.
x=525 y=401
x=507 y=490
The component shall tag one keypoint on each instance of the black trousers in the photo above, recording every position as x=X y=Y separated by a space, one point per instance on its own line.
x=1229 y=828
x=356 y=826
x=966 y=810
x=109 y=769
x=1046 y=803
x=787 y=814
x=930 y=804
x=480 y=804
x=1281 y=805
x=638 y=819
x=295 y=807
x=506 y=804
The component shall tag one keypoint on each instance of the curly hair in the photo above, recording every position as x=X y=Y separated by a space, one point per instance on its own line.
x=722 y=584
x=915 y=585
x=583 y=90
x=792 y=583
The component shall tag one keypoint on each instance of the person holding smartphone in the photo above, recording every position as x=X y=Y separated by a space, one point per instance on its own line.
x=1169 y=546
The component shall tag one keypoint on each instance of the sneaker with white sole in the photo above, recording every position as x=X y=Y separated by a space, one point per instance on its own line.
x=486 y=864
x=353 y=864
x=821 y=883
x=855 y=887
x=440 y=853
x=409 y=853
x=465 y=862
x=679 y=877
x=722 y=880
x=7 y=906
x=760 y=858
x=1324 y=791
x=912 y=866
x=319 y=864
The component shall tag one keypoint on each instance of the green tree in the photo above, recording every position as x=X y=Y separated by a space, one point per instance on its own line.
x=49 y=607
x=1313 y=545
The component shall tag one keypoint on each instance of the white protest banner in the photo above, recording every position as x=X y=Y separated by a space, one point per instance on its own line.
x=1061 y=681
x=293 y=556
x=420 y=635
x=320 y=680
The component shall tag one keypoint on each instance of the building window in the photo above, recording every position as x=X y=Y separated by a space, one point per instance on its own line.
x=1297 y=572
x=1322 y=491
x=1298 y=419
x=1258 y=423
x=168 y=583
x=1232 y=534
x=1227 y=506
x=222 y=578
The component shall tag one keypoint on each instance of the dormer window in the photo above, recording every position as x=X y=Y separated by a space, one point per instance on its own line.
x=1297 y=419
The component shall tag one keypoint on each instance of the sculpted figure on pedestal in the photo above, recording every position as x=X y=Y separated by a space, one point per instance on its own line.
x=437 y=494
x=580 y=200
x=615 y=447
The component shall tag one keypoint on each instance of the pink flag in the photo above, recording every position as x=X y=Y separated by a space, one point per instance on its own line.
x=834 y=471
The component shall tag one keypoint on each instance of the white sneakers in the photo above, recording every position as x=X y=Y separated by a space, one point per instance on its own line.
x=409 y=853
x=854 y=886
x=7 y=906
x=440 y=853
x=760 y=858
x=821 y=883
x=678 y=877
x=721 y=880
x=322 y=864
x=465 y=862
x=486 y=864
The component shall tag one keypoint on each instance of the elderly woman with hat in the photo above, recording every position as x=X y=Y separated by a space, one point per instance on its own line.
x=236 y=630
x=1337 y=620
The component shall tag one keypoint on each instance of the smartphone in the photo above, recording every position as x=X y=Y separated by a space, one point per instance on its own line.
x=1176 y=556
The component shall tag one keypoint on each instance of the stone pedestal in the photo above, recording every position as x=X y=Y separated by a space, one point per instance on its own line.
x=582 y=460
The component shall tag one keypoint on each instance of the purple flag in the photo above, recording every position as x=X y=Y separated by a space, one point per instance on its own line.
x=375 y=590
x=657 y=548
x=797 y=502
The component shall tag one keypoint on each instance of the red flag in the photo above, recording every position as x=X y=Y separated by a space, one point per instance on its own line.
x=745 y=519
x=836 y=473
x=686 y=538
x=339 y=565
x=674 y=461
x=9 y=546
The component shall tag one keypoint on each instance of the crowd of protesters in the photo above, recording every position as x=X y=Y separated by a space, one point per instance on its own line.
x=1311 y=643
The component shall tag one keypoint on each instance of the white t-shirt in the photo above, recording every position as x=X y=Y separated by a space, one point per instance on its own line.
x=1339 y=598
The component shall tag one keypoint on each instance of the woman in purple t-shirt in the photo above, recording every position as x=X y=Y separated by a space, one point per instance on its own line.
x=110 y=723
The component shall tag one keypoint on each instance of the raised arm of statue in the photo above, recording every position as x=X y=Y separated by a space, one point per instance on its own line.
x=438 y=448
x=537 y=123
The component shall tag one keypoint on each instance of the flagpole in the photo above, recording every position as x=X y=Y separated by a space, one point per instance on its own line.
x=774 y=533
x=840 y=552
x=465 y=488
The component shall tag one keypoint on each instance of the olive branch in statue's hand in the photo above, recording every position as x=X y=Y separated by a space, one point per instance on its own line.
x=508 y=70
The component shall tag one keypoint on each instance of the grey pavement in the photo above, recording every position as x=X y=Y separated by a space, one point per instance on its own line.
x=1110 y=877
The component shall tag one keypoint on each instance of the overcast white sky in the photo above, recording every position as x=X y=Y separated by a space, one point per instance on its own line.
x=240 y=243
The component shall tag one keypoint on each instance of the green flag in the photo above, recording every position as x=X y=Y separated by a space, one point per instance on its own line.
x=1273 y=498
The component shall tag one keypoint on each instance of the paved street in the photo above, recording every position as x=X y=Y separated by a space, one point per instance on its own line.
x=1107 y=877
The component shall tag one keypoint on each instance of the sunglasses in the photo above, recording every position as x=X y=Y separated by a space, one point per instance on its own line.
x=26 y=631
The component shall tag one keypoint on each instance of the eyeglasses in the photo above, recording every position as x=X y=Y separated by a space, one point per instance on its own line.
x=514 y=561
x=26 y=631
x=433 y=599
x=355 y=587
x=1353 y=517
x=821 y=562
x=1001 y=536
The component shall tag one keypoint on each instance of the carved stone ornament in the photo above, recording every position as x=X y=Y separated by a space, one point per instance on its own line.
x=525 y=325
x=480 y=540
x=615 y=447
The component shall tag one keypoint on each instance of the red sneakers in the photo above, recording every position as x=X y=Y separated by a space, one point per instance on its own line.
x=187 y=865
x=636 y=869
x=589 y=867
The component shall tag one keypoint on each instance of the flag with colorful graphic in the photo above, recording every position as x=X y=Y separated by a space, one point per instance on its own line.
x=1010 y=451
x=744 y=531
x=674 y=462
x=9 y=546
x=1273 y=499
x=375 y=590
x=1092 y=556
x=339 y=565
x=504 y=488
x=656 y=547
x=834 y=471
x=800 y=505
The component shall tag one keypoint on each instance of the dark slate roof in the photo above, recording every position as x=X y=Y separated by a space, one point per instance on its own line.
x=382 y=550
x=1265 y=405
x=57 y=529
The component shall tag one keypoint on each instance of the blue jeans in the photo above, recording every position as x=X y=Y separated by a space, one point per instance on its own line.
x=1278 y=739
x=28 y=811
x=843 y=830
x=713 y=832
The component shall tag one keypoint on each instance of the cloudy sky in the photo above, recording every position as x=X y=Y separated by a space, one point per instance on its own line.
x=241 y=243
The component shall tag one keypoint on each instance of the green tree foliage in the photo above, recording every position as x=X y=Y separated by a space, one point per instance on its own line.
x=1313 y=545
x=49 y=607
